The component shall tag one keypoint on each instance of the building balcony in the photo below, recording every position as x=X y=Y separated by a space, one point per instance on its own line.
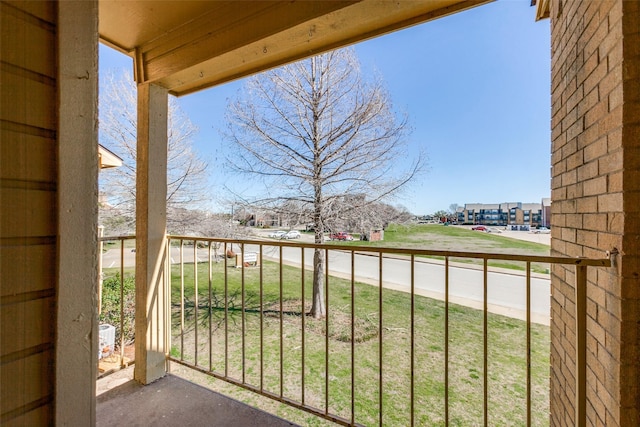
x=410 y=337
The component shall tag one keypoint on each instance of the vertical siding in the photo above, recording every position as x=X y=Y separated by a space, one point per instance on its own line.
x=28 y=221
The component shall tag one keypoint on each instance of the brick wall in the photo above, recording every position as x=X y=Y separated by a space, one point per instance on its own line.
x=596 y=203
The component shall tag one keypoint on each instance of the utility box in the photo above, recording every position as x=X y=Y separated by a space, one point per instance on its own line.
x=106 y=340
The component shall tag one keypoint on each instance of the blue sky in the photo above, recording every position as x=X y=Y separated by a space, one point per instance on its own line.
x=476 y=86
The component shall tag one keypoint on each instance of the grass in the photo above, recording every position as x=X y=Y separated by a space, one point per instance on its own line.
x=242 y=346
x=439 y=237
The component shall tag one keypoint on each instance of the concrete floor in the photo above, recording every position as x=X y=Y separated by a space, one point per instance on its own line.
x=173 y=401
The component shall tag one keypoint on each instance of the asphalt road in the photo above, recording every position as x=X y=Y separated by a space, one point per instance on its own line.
x=506 y=290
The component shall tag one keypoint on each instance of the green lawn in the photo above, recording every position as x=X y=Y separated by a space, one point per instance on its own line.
x=451 y=238
x=506 y=358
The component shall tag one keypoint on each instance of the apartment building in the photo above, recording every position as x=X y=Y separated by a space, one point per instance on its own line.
x=505 y=214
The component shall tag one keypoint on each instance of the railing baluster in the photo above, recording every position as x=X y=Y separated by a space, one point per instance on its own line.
x=581 y=345
x=210 y=307
x=244 y=309
x=121 y=303
x=326 y=335
x=226 y=313
x=281 y=329
x=167 y=299
x=446 y=341
x=261 y=321
x=485 y=343
x=380 y=336
x=195 y=297
x=304 y=315
x=413 y=337
x=181 y=299
x=353 y=338
x=528 y=308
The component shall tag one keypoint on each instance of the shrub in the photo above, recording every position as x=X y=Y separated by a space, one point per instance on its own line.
x=111 y=306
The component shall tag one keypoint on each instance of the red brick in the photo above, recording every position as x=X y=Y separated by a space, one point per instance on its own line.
x=611 y=121
x=575 y=129
x=590 y=135
x=615 y=222
x=613 y=37
x=569 y=178
x=596 y=113
x=587 y=238
x=575 y=160
x=610 y=82
x=587 y=204
x=574 y=191
x=610 y=202
x=615 y=182
x=612 y=162
x=615 y=98
x=588 y=67
x=592 y=80
x=593 y=43
x=614 y=57
x=614 y=140
x=608 y=241
x=568 y=235
x=595 y=186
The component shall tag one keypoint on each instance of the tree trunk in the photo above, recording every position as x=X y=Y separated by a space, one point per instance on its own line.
x=318 y=310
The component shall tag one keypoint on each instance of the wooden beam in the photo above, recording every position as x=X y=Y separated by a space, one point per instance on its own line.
x=197 y=57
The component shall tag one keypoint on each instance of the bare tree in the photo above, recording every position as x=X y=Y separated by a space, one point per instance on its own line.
x=315 y=131
x=186 y=171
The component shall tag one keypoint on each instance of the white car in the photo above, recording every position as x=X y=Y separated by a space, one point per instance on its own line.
x=542 y=230
x=277 y=234
x=293 y=234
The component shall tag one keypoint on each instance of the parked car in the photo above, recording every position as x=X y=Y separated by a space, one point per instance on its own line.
x=341 y=236
x=542 y=230
x=293 y=234
x=479 y=228
x=277 y=234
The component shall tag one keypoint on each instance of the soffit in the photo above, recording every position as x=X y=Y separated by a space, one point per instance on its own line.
x=186 y=46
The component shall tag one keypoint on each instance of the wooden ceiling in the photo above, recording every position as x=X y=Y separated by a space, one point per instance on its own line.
x=187 y=46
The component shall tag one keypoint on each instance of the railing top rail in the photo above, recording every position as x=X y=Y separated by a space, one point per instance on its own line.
x=111 y=238
x=593 y=262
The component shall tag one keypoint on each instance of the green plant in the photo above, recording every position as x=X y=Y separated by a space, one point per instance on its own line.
x=110 y=312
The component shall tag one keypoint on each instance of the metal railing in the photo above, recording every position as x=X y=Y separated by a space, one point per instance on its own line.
x=116 y=302
x=241 y=317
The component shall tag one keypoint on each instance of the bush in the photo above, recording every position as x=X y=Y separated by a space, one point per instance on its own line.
x=111 y=306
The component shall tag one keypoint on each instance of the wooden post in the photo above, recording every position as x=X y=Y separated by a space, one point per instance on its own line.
x=151 y=344
x=76 y=345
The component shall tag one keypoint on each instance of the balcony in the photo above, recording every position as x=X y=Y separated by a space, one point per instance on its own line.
x=412 y=337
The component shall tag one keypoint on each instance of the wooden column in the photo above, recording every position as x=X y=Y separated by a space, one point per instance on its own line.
x=152 y=319
x=76 y=347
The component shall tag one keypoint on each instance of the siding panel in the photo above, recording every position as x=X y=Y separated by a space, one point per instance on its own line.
x=27 y=157
x=27 y=101
x=44 y=10
x=40 y=58
x=28 y=220
x=26 y=325
x=18 y=272
x=27 y=213
x=30 y=378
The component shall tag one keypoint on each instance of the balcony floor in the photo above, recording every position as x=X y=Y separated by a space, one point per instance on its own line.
x=173 y=401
